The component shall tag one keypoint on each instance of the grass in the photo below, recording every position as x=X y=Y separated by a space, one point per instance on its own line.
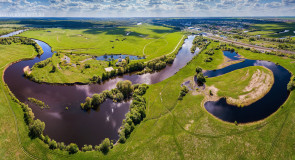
x=233 y=84
x=165 y=133
x=9 y=148
x=66 y=73
x=269 y=29
x=218 y=58
x=149 y=40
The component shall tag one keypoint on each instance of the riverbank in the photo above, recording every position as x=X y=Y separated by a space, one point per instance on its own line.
x=71 y=69
x=182 y=129
x=241 y=87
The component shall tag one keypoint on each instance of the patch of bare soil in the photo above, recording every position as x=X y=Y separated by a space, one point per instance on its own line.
x=292 y=62
x=187 y=126
x=259 y=85
x=228 y=62
x=27 y=70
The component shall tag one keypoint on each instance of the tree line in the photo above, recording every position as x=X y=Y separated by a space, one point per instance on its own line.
x=21 y=40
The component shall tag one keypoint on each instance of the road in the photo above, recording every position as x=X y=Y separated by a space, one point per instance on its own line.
x=249 y=45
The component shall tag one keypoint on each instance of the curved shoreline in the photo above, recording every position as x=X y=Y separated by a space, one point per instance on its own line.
x=46 y=93
x=221 y=109
x=176 y=49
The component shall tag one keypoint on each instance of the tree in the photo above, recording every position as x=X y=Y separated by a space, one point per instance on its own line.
x=53 y=69
x=72 y=148
x=95 y=100
x=28 y=115
x=61 y=146
x=125 y=87
x=37 y=128
x=87 y=104
x=198 y=70
x=53 y=144
x=291 y=84
x=87 y=66
x=122 y=138
x=87 y=148
x=47 y=140
x=105 y=146
x=127 y=59
x=120 y=70
x=201 y=79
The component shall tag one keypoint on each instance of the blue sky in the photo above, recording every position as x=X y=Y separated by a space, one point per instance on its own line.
x=146 y=8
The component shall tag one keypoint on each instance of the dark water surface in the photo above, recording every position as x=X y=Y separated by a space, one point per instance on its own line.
x=75 y=125
x=261 y=108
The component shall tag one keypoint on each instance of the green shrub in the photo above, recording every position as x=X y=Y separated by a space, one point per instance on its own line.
x=291 y=84
x=61 y=146
x=87 y=104
x=73 y=148
x=184 y=90
x=125 y=87
x=198 y=70
x=105 y=146
x=36 y=129
x=47 y=140
x=87 y=148
x=201 y=79
x=52 y=144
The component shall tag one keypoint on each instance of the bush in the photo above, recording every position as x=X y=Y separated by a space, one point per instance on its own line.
x=140 y=89
x=53 y=69
x=73 y=148
x=61 y=146
x=96 y=148
x=184 y=90
x=198 y=69
x=291 y=84
x=125 y=87
x=201 y=79
x=43 y=63
x=105 y=146
x=87 y=104
x=47 y=139
x=122 y=138
x=87 y=66
x=53 y=144
x=28 y=115
x=95 y=79
x=37 y=128
x=87 y=148
x=97 y=99
x=209 y=59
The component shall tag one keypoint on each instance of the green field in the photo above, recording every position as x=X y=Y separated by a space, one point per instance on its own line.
x=70 y=73
x=151 y=41
x=234 y=85
x=172 y=128
x=269 y=29
x=218 y=58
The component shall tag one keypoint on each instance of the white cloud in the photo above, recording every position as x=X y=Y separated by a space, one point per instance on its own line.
x=131 y=8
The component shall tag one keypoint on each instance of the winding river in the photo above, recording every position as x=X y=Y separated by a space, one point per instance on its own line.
x=81 y=127
x=75 y=125
x=261 y=108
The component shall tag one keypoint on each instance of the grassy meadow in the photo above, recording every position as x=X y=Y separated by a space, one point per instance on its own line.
x=271 y=30
x=237 y=87
x=70 y=72
x=149 y=40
